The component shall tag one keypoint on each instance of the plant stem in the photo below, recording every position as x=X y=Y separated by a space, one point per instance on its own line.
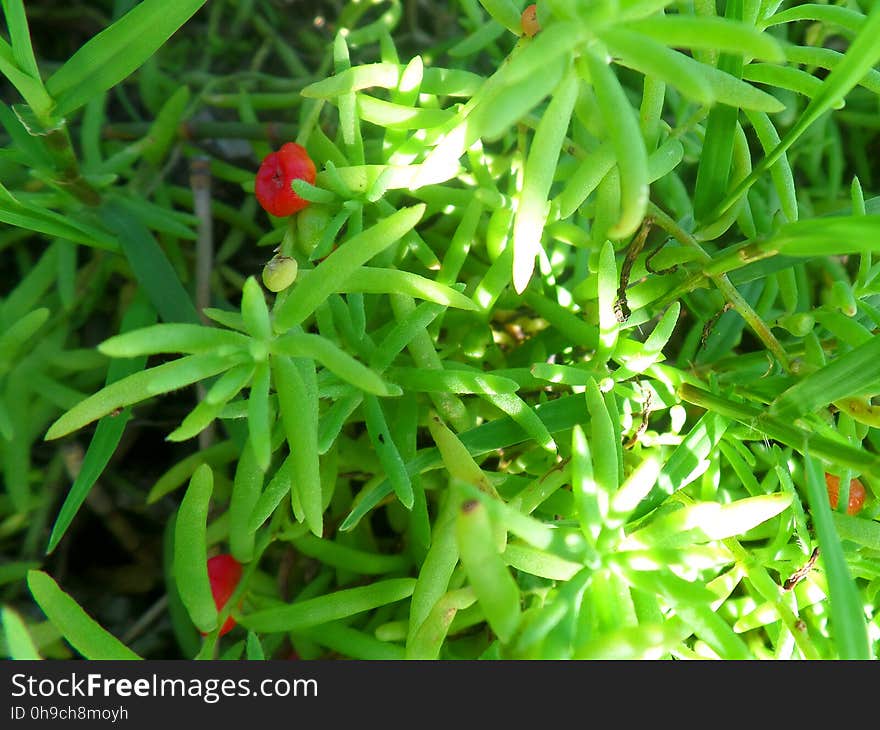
x=64 y=158
x=730 y=292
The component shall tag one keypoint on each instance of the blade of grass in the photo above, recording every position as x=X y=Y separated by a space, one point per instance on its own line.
x=850 y=633
x=855 y=372
x=109 y=430
x=863 y=54
x=150 y=265
x=117 y=51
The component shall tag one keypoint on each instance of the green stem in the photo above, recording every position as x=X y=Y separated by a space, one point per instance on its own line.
x=766 y=426
x=730 y=292
x=64 y=158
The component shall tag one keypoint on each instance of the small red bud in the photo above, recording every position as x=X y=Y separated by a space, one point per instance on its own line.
x=224 y=572
x=529 y=21
x=275 y=176
x=856 y=493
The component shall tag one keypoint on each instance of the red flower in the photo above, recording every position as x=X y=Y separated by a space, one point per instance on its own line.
x=224 y=572
x=277 y=172
x=856 y=493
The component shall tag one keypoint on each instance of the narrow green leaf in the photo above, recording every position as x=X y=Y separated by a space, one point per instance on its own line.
x=716 y=157
x=862 y=55
x=720 y=34
x=254 y=648
x=523 y=414
x=196 y=421
x=246 y=487
x=591 y=501
x=848 y=623
x=781 y=172
x=856 y=372
x=151 y=266
x=371 y=280
x=504 y=12
x=585 y=179
x=339 y=637
x=191 y=550
x=688 y=461
x=165 y=128
x=632 y=642
x=829 y=59
x=341 y=264
x=20 y=35
x=437 y=568
x=31 y=88
x=707 y=521
x=228 y=385
x=348 y=558
x=187 y=338
x=785 y=77
x=540 y=168
x=622 y=128
x=456 y=457
x=254 y=311
x=32 y=148
x=382 y=75
x=334 y=418
x=539 y=562
x=23 y=213
x=82 y=632
x=117 y=51
x=556 y=42
x=858 y=530
x=846 y=18
x=278 y=488
x=637 y=486
x=705 y=84
x=260 y=417
x=428 y=640
x=298 y=403
x=495 y=588
x=834 y=451
x=399 y=116
x=607 y=286
x=331 y=607
x=386 y=450
x=108 y=432
x=558 y=415
x=19 y=643
x=20 y=332
x=502 y=103
x=137 y=387
x=452 y=381
x=338 y=362
x=602 y=439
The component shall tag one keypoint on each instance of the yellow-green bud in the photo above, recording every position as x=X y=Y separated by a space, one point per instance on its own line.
x=280 y=273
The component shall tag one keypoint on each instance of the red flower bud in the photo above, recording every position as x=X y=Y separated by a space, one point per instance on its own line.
x=224 y=572
x=277 y=173
x=529 y=21
x=856 y=493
